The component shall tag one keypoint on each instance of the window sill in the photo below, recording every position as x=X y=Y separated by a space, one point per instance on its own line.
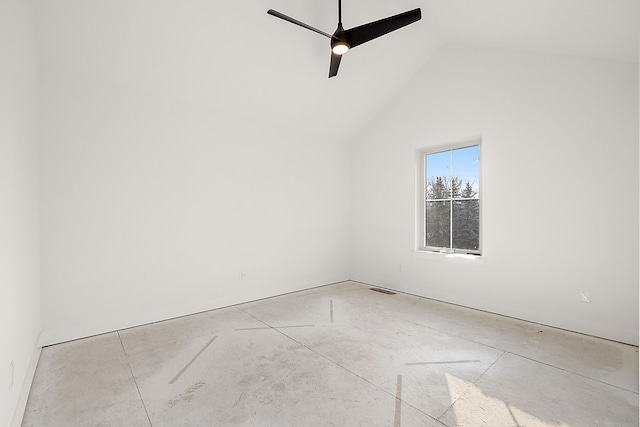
x=457 y=258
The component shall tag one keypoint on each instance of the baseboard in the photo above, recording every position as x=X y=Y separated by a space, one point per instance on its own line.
x=18 y=413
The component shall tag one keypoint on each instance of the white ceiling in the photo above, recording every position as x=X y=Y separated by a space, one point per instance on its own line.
x=233 y=56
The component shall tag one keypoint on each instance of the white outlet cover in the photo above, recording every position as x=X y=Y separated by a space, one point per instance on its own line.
x=585 y=296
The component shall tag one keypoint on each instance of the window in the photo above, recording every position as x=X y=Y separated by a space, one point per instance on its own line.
x=449 y=193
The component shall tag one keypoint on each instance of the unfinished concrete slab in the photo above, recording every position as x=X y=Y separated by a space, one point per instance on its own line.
x=333 y=356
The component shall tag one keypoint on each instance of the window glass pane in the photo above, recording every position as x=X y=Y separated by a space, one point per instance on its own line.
x=466 y=224
x=437 y=175
x=465 y=174
x=452 y=199
x=438 y=224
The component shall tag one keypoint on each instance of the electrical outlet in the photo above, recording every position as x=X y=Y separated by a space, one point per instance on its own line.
x=11 y=375
x=585 y=296
x=241 y=275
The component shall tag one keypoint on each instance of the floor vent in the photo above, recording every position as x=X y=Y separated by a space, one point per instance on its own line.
x=384 y=291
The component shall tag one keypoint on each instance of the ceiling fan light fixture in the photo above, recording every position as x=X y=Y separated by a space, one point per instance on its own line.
x=340 y=48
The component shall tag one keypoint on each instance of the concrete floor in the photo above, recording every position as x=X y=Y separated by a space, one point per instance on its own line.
x=339 y=355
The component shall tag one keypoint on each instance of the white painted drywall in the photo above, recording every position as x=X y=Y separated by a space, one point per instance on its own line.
x=19 y=289
x=152 y=207
x=560 y=187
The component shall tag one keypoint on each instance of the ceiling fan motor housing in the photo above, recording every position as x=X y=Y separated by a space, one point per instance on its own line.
x=339 y=39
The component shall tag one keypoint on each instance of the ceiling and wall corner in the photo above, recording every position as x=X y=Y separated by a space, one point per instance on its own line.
x=235 y=57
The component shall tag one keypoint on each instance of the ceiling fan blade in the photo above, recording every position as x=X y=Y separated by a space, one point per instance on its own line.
x=335 y=63
x=295 y=21
x=362 y=34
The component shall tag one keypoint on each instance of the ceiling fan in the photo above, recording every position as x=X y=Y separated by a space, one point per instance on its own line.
x=342 y=40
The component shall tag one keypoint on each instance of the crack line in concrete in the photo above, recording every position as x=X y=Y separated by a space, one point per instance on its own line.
x=274 y=327
x=442 y=363
x=133 y=377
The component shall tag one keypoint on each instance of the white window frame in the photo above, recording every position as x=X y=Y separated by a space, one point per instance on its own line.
x=421 y=191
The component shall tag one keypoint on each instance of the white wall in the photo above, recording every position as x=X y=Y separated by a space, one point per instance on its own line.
x=560 y=187
x=19 y=290
x=152 y=206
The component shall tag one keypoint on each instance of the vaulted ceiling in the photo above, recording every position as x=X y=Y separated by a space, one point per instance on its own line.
x=231 y=55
